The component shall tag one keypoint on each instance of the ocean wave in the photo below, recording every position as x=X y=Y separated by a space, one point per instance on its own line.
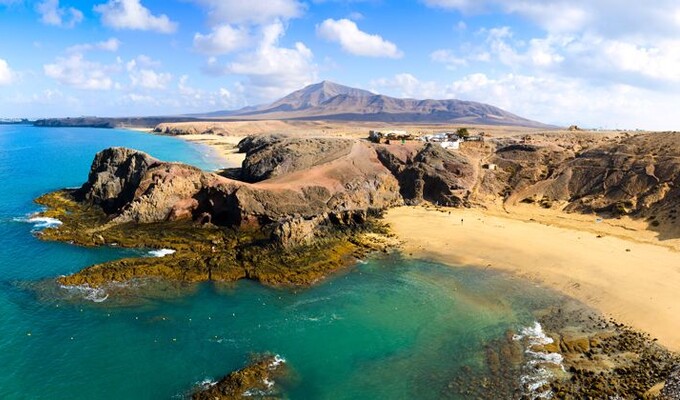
x=39 y=222
x=539 y=367
x=96 y=295
x=278 y=360
x=162 y=252
x=206 y=383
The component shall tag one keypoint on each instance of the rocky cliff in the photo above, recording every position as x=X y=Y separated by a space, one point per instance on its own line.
x=296 y=186
x=637 y=175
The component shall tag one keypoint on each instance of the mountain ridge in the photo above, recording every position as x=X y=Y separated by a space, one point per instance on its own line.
x=332 y=101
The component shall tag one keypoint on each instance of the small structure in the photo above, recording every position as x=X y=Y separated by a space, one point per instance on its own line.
x=448 y=140
x=376 y=136
x=490 y=166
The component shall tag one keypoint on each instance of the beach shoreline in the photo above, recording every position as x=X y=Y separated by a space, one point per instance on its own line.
x=619 y=270
x=223 y=147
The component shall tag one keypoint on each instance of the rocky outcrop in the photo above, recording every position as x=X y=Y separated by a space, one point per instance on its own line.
x=637 y=175
x=272 y=156
x=257 y=380
x=131 y=186
x=430 y=174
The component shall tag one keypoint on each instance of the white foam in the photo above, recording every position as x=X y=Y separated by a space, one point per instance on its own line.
x=278 y=360
x=162 y=252
x=538 y=367
x=40 y=222
x=96 y=295
x=206 y=383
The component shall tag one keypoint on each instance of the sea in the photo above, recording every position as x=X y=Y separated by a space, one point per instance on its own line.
x=389 y=327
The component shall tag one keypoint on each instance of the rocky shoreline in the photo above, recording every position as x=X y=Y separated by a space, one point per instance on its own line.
x=301 y=209
x=257 y=380
x=573 y=353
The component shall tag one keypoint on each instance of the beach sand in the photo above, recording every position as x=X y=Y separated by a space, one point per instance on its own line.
x=224 y=146
x=626 y=273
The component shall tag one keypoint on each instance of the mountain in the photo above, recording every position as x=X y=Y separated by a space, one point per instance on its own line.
x=331 y=101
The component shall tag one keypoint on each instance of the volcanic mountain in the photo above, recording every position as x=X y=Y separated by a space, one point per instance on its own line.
x=331 y=101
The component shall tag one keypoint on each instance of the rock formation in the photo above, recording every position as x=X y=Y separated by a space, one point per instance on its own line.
x=257 y=380
x=637 y=175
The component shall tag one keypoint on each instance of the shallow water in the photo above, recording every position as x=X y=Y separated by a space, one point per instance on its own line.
x=388 y=328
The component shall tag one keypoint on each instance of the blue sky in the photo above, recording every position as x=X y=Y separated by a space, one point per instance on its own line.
x=601 y=64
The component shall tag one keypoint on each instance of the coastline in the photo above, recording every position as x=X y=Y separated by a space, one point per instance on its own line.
x=622 y=273
x=224 y=147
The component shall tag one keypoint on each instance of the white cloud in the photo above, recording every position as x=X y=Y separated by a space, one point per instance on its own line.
x=222 y=39
x=80 y=73
x=149 y=79
x=624 y=18
x=6 y=73
x=550 y=99
x=587 y=56
x=202 y=100
x=52 y=14
x=112 y=45
x=448 y=57
x=272 y=71
x=408 y=86
x=355 y=41
x=251 y=12
x=142 y=74
x=131 y=14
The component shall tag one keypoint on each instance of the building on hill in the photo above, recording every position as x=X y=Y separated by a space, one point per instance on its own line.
x=376 y=136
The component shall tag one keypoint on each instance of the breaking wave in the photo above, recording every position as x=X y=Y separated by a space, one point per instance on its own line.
x=40 y=222
x=87 y=292
x=538 y=370
x=161 y=252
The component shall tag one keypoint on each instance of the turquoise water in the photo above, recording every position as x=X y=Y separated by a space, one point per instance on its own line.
x=390 y=328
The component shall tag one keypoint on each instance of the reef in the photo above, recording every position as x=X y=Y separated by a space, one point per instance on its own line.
x=257 y=380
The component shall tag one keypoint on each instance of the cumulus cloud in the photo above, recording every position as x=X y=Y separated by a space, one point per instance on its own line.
x=52 y=14
x=202 y=100
x=131 y=14
x=355 y=41
x=408 y=86
x=625 y=18
x=74 y=70
x=251 y=12
x=222 y=39
x=271 y=70
x=549 y=98
x=586 y=55
x=6 y=73
x=111 y=44
x=143 y=76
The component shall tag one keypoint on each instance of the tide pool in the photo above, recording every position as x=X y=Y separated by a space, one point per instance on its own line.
x=389 y=328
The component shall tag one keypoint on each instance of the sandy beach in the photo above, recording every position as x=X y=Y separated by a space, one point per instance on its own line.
x=224 y=146
x=634 y=281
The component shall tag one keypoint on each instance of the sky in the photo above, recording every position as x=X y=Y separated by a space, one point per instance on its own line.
x=595 y=63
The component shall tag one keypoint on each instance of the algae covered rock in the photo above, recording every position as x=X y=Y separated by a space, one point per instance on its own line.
x=257 y=380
